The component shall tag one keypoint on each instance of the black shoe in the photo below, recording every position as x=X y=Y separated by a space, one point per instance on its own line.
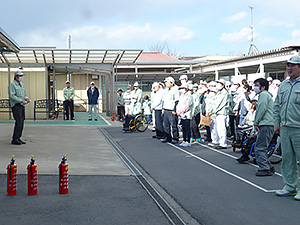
x=220 y=147
x=153 y=130
x=242 y=159
x=96 y=119
x=174 y=141
x=89 y=119
x=165 y=141
x=154 y=136
x=16 y=142
x=263 y=173
x=23 y=142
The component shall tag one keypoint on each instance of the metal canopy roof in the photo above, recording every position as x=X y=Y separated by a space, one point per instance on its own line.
x=159 y=77
x=7 y=44
x=70 y=56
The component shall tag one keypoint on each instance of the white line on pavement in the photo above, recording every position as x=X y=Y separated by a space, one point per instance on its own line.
x=223 y=170
x=108 y=123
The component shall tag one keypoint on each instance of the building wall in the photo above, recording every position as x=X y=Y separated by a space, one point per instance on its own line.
x=35 y=86
x=81 y=83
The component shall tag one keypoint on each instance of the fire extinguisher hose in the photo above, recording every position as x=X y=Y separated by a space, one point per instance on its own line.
x=9 y=175
x=31 y=176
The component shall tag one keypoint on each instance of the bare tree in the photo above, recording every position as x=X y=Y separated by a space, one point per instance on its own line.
x=165 y=48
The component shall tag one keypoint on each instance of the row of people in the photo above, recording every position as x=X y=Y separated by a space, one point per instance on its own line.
x=267 y=104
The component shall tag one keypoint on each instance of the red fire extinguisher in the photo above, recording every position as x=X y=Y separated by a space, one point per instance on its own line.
x=32 y=177
x=112 y=116
x=63 y=176
x=12 y=177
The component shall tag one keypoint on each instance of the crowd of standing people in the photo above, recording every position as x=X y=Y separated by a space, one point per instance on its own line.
x=268 y=106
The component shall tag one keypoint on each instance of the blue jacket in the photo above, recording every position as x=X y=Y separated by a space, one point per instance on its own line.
x=93 y=97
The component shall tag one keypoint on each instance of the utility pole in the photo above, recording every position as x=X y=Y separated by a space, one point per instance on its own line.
x=69 y=47
x=252 y=49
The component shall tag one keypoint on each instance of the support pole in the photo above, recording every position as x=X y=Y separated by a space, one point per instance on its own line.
x=9 y=81
x=262 y=70
x=216 y=74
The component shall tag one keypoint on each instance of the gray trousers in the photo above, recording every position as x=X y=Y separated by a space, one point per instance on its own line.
x=262 y=143
x=170 y=120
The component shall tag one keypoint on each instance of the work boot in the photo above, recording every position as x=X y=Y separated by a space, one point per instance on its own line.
x=16 y=142
x=23 y=142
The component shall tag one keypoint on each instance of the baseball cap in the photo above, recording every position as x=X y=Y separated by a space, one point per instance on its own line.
x=170 y=79
x=222 y=81
x=92 y=83
x=276 y=81
x=68 y=82
x=294 y=60
x=119 y=90
x=162 y=84
x=136 y=84
x=269 y=78
x=227 y=83
x=212 y=83
x=19 y=73
x=196 y=85
x=183 y=77
x=155 y=84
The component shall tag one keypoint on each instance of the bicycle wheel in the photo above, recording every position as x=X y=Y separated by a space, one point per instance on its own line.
x=141 y=123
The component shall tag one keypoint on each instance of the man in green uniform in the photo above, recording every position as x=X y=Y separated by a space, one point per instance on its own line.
x=69 y=103
x=121 y=103
x=18 y=98
x=287 y=123
x=264 y=125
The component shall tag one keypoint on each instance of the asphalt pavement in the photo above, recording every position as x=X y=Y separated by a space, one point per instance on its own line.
x=102 y=190
x=210 y=185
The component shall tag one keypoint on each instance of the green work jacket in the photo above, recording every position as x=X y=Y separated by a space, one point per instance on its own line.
x=287 y=105
x=16 y=93
x=264 y=109
x=69 y=93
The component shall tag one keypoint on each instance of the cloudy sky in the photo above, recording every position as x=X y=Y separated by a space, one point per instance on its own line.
x=192 y=27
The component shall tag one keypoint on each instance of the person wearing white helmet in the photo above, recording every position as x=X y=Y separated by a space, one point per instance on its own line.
x=287 y=124
x=18 y=99
x=210 y=103
x=93 y=95
x=196 y=113
x=228 y=86
x=184 y=111
x=137 y=93
x=135 y=109
x=183 y=79
x=276 y=84
x=271 y=86
x=127 y=97
x=221 y=111
x=156 y=107
x=69 y=94
x=170 y=101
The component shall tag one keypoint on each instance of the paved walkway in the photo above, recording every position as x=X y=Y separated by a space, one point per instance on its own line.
x=87 y=150
x=102 y=190
x=81 y=119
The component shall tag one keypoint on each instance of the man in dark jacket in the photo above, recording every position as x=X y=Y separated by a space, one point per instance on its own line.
x=93 y=94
